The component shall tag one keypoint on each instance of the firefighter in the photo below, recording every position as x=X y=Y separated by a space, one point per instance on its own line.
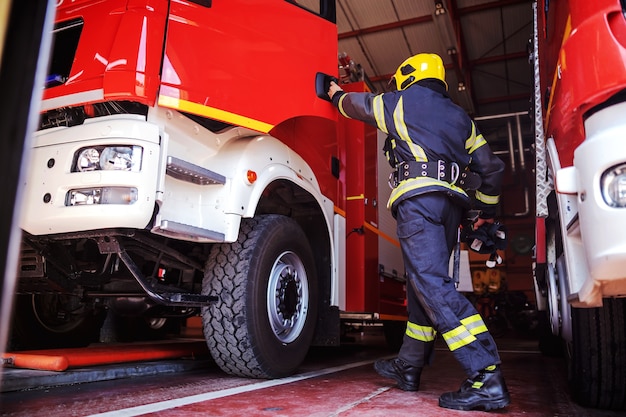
x=434 y=144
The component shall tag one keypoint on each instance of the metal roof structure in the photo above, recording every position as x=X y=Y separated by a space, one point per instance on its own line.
x=483 y=43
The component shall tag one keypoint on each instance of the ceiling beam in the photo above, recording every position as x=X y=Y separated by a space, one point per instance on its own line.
x=386 y=26
x=492 y=5
x=428 y=18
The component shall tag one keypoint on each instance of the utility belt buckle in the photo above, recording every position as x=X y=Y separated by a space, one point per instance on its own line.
x=454 y=171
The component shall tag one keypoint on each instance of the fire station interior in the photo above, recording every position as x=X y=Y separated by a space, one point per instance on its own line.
x=485 y=47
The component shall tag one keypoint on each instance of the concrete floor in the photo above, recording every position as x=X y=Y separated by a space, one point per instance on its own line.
x=331 y=382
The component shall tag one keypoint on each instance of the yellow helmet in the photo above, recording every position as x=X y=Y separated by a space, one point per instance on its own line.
x=419 y=67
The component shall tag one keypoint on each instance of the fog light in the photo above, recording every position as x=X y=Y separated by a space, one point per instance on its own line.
x=613 y=184
x=101 y=195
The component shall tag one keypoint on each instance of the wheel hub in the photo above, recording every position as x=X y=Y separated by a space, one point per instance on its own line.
x=558 y=307
x=287 y=297
x=288 y=294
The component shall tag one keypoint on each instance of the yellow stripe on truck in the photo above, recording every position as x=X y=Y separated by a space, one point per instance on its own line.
x=213 y=113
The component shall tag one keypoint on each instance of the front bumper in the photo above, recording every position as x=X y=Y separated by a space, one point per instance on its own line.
x=48 y=177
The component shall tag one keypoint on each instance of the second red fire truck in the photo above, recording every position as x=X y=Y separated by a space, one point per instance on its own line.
x=580 y=102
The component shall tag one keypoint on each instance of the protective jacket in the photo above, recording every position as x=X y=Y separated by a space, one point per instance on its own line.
x=413 y=120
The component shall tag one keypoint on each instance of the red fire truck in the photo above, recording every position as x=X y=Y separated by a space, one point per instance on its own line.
x=580 y=102
x=185 y=164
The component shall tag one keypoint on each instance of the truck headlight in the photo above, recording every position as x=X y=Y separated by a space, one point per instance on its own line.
x=613 y=183
x=108 y=158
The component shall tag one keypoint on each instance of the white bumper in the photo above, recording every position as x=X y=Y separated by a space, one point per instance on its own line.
x=49 y=177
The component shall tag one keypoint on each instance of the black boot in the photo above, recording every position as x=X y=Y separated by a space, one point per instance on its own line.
x=486 y=390
x=407 y=376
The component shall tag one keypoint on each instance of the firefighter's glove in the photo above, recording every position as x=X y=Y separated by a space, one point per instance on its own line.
x=486 y=239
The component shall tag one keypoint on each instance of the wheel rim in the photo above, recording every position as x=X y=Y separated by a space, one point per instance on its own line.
x=565 y=317
x=553 y=300
x=287 y=297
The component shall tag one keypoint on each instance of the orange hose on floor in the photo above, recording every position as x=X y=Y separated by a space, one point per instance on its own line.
x=34 y=361
x=62 y=359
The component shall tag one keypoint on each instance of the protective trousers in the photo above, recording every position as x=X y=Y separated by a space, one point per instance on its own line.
x=427 y=229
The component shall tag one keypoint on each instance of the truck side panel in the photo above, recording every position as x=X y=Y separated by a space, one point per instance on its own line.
x=221 y=63
x=227 y=63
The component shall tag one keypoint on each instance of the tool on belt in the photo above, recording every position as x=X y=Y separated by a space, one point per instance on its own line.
x=441 y=170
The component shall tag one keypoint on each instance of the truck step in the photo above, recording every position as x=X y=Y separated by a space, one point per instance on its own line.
x=186 y=171
x=186 y=231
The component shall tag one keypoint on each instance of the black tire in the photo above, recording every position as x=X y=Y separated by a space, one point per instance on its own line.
x=44 y=321
x=598 y=361
x=263 y=323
